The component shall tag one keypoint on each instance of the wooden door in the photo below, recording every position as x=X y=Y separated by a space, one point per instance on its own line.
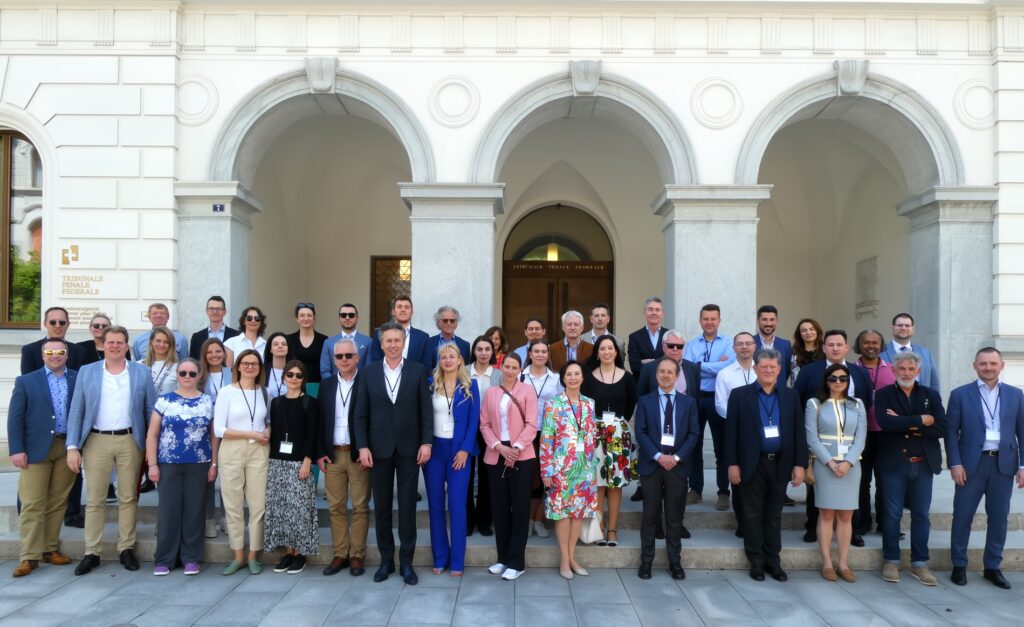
x=550 y=288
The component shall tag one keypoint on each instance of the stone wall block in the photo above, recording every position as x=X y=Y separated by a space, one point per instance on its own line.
x=147 y=70
x=75 y=161
x=80 y=130
x=146 y=255
x=110 y=223
x=51 y=100
x=156 y=130
x=145 y=194
x=84 y=193
x=25 y=74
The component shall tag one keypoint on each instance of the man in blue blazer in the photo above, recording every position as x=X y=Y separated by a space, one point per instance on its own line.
x=902 y=332
x=767 y=322
x=415 y=348
x=107 y=424
x=765 y=447
x=37 y=429
x=55 y=321
x=985 y=435
x=667 y=430
x=348 y=318
x=447 y=319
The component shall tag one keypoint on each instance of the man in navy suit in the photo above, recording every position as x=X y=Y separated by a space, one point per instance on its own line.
x=348 y=318
x=55 y=321
x=447 y=319
x=645 y=343
x=985 y=435
x=37 y=430
x=902 y=332
x=765 y=447
x=807 y=384
x=767 y=322
x=216 y=309
x=415 y=347
x=667 y=430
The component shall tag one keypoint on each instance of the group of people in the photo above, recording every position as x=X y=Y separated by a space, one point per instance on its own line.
x=506 y=438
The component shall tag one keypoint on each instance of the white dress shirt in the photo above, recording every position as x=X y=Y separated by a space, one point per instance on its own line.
x=393 y=379
x=115 y=401
x=341 y=401
x=483 y=381
x=990 y=410
x=730 y=378
x=503 y=406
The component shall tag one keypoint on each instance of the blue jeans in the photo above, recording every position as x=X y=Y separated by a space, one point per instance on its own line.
x=911 y=484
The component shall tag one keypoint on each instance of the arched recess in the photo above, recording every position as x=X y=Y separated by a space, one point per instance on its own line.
x=615 y=98
x=287 y=99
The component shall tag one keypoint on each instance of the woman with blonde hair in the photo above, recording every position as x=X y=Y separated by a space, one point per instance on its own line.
x=161 y=359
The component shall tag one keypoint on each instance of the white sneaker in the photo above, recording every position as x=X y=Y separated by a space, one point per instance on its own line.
x=211 y=528
x=540 y=530
x=496 y=569
x=512 y=574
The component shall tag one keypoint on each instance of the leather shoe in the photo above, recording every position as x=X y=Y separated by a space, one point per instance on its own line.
x=677 y=572
x=757 y=574
x=128 y=560
x=56 y=558
x=24 y=568
x=777 y=574
x=409 y=575
x=75 y=520
x=357 y=567
x=335 y=566
x=87 y=564
x=638 y=495
x=659 y=533
x=486 y=531
x=857 y=540
x=810 y=536
x=996 y=577
x=684 y=533
x=644 y=572
x=383 y=572
x=959 y=575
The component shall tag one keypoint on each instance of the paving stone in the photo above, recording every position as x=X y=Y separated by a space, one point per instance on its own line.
x=166 y=615
x=240 y=608
x=489 y=614
x=425 y=605
x=619 y=614
x=660 y=610
x=865 y=619
x=298 y=615
x=541 y=582
x=602 y=585
x=544 y=611
x=714 y=600
x=364 y=606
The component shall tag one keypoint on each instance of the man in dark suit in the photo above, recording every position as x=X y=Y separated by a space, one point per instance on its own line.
x=37 y=430
x=912 y=421
x=394 y=422
x=765 y=447
x=767 y=322
x=807 y=384
x=216 y=309
x=645 y=343
x=667 y=430
x=55 y=321
x=984 y=441
x=415 y=347
x=447 y=319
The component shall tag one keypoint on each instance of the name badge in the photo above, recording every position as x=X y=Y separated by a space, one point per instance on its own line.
x=844 y=449
x=667 y=439
x=609 y=417
x=286 y=448
x=991 y=435
x=447 y=431
x=771 y=432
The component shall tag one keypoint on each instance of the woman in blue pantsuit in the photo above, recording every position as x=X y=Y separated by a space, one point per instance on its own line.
x=456 y=420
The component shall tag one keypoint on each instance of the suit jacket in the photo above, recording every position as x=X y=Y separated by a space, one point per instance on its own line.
x=30 y=417
x=85 y=404
x=521 y=429
x=808 y=382
x=328 y=368
x=965 y=430
x=563 y=435
x=417 y=348
x=32 y=356
x=90 y=355
x=558 y=354
x=398 y=428
x=647 y=382
x=743 y=431
x=196 y=341
x=907 y=424
x=466 y=412
x=640 y=348
x=433 y=343
x=785 y=349
x=648 y=424
x=929 y=375
x=328 y=399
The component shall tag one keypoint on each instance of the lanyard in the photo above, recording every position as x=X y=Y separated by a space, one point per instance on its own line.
x=991 y=411
x=276 y=381
x=252 y=408
x=708 y=348
x=448 y=399
x=160 y=376
x=665 y=400
x=768 y=409
x=542 y=385
x=840 y=411
x=746 y=375
x=577 y=417
x=344 y=397
x=387 y=381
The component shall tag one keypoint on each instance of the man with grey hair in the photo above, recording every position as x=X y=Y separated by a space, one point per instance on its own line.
x=571 y=348
x=645 y=343
x=447 y=320
x=909 y=454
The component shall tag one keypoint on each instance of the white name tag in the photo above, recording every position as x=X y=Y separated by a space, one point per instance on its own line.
x=991 y=435
x=667 y=439
x=608 y=417
x=771 y=432
x=843 y=450
x=286 y=448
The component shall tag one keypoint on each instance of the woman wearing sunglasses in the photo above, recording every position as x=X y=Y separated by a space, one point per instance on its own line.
x=837 y=428
x=92 y=349
x=306 y=345
x=291 y=520
x=182 y=455
x=253 y=324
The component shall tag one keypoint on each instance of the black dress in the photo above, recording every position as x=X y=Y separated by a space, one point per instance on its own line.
x=91 y=354
x=308 y=355
x=616 y=448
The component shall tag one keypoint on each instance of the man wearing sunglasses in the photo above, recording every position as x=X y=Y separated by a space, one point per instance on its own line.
x=348 y=318
x=55 y=323
x=447 y=320
x=159 y=314
x=216 y=310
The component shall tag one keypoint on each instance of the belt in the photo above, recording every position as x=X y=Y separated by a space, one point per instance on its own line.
x=770 y=456
x=343 y=447
x=60 y=436
x=703 y=393
x=114 y=432
x=914 y=460
x=992 y=453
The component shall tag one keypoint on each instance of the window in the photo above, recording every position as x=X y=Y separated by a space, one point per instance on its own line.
x=389 y=277
x=22 y=189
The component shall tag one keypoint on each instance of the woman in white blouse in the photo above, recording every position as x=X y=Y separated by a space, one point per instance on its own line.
x=161 y=359
x=253 y=324
x=546 y=386
x=242 y=422
x=275 y=356
x=484 y=372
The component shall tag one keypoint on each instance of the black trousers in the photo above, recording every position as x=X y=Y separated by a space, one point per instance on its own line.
x=478 y=512
x=662 y=489
x=383 y=476
x=510 y=507
x=761 y=502
x=862 y=522
x=181 y=514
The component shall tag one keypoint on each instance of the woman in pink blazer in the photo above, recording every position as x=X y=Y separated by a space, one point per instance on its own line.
x=508 y=424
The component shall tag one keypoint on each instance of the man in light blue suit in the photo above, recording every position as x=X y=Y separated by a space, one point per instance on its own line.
x=107 y=424
x=902 y=332
x=983 y=446
x=348 y=317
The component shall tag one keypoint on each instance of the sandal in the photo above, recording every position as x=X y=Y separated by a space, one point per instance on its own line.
x=456 y=573
x=614 y=542
x=437 y=571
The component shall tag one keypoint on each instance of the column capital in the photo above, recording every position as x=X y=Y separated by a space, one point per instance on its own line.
x=720 y=203
x=950 y=204
x=203 y=199
x=453 y=200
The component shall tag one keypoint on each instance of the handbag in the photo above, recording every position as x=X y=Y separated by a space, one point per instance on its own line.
x=537 y=483
x=809 y=474
x=590 y=530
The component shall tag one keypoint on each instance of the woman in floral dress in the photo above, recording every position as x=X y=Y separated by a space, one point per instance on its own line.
x=567 y=465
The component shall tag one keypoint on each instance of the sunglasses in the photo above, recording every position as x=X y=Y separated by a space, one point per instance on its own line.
x=674 y=346
x=191 y=374
x=100 y=325
x=508 y=471
x=294 y=375
x=254 y=318
x=56 y=323
x=306 y=306
x=344 y=355
x=838 y=379
x=448 y=320
x=346 y=314
x=55 y=351
x=250 y=364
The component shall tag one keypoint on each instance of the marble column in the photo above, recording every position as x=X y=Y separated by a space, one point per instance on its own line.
x=951 y=275
x=453 y=259
x=214 y=241
x=710 y=252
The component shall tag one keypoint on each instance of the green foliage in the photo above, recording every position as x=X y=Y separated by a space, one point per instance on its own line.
x=26 y=278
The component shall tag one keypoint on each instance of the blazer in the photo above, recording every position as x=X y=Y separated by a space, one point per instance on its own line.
x=965 y=430
x=398 y=428
x=521 y=429
x=647 y=382
x=640 y=348
x=743 y=431
x=433 y=343
x=328 y=368
x=648 y=424
x=823 y=429
x=90 y=355
x=328 y=399
x=560 y=437
x=907 y=423
x=466 y=412
x=32 y=356
x=808 y=382
x=417 y=348
x=929 y=375
x=30 y=417
x=85 y=404
x=785 y=349
x=195 y=343
x=558 y=354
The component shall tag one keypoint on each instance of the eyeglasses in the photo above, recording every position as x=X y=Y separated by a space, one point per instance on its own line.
x=55 y=323
x=250 y=364
x=56 y=351
x=674 y=346
x=215 y=309
x=191 y=374
x=838 y=379
x=348 y=314
x=294 y=375
x=448 y=320
x=254 y=318
x=344 y=355
x=100 y=326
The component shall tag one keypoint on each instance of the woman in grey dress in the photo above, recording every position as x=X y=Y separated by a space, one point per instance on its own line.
x=836 y=427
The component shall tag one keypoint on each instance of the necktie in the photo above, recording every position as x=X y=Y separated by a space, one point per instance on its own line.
x=903 y=349
x=667 y=424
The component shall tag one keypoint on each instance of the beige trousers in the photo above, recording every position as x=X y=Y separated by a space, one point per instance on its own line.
x=345 y=478
x=101 y=454
x=243 y=481
x=44 y=489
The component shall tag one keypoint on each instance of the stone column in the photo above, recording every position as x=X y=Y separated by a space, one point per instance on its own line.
x=453 y=251
x=710 y=252
x=214 y=234
x=951 y=275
